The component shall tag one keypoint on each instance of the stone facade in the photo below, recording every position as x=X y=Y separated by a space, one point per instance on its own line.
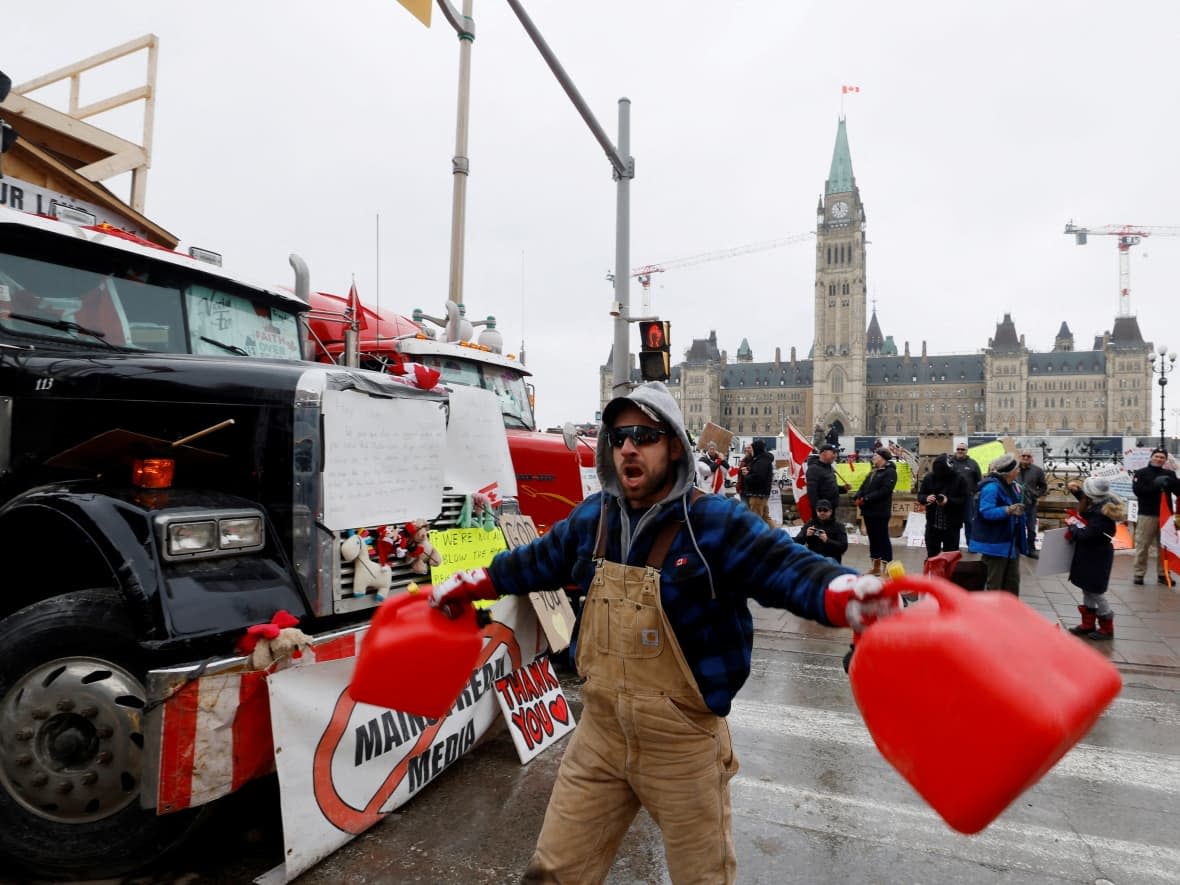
x=855 y=377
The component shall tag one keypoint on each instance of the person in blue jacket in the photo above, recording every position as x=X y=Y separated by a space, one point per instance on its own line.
x=665 y=642
x=999 y=532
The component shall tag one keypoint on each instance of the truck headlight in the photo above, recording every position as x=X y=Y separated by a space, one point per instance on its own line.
x=240 y=531
x=199 y=534
x=187 y=538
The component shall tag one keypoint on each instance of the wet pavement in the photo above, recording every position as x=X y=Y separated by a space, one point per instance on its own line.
x=814 y=801
x=1146 y=617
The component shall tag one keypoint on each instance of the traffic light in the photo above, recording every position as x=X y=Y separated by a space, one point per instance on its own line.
x=654 y=355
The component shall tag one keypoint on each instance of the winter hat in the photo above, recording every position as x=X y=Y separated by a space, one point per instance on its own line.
x=827 y=447
x=823 y=504
x=1096 y=488
x=1002 y=465
x=885 y=453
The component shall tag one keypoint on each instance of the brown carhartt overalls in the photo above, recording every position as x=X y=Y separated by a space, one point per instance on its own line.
x=646 y=738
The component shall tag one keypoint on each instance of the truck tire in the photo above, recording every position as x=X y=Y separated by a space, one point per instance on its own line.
x=71 y=741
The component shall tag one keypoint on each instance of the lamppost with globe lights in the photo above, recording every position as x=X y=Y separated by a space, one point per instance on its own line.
x=1166 y=364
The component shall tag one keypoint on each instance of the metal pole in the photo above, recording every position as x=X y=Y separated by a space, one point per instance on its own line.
x=459 y=163
x=621 y=361
x=622 y=163
x=1163 y=390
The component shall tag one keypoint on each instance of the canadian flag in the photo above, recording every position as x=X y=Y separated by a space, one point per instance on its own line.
x=492 y=493
x=357 y=312
x=801 y=450
x=844 y=90
x=1169 y=538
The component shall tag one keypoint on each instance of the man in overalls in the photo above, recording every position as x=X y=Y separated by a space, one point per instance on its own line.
x=665 y=643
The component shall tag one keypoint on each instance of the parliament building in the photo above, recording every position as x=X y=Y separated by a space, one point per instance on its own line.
x=855 y=377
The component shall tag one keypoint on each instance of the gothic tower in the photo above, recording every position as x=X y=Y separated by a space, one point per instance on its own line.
x=838 y=385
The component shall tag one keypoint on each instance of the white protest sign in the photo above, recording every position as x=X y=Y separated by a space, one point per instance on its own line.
x=774 y=506
x=915 y=529
x=1056 y=553
x=552 y=607
x=534 y=707
x=381 y=461
x=476 y=451
x=1117 y=476
x=343 y=766
x=590 y=483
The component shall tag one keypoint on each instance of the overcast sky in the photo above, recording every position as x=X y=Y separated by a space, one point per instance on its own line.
x=979 y=131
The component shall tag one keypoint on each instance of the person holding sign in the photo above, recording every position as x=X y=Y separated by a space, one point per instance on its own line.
x=1091 y=530
x=665 y=642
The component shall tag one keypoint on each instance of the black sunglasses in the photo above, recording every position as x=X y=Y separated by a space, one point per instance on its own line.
x=637 y=433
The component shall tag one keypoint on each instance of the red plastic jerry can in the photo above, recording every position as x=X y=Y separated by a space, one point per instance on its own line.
x=415 y=658
x=972 y=697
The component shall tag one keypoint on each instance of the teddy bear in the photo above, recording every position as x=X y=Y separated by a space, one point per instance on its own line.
x=414 y=547
x=273 y=642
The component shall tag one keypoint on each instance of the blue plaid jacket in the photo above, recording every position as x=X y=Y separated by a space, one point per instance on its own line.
x=739 y=557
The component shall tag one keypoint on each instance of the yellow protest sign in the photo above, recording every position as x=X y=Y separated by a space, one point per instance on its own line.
x=905 y=477
x=986 y=453
x=855 y=474
x=852 y=474
x=462 y=549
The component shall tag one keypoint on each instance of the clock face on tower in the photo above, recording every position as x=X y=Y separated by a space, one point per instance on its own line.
x=840 y=210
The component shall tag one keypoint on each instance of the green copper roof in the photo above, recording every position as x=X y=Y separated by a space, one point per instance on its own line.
x=840 y=178
x=744 y=348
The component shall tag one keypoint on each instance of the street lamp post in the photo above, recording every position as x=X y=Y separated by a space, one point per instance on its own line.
x=1166 y=364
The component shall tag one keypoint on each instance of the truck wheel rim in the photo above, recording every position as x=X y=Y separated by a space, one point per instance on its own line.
x=71 y=740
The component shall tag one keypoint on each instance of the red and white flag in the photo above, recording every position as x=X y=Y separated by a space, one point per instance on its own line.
x=492 y=493
x=801 y=450
x=844 y=90
x=1169 y=538
x=357 y=313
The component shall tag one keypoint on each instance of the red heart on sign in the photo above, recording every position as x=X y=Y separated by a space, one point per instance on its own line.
x=560 y=711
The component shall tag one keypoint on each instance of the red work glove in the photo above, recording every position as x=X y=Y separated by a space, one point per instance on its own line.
x=857 y=601
x=463 y=587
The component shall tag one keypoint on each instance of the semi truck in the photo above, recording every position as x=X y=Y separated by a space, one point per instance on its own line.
x=173 y=472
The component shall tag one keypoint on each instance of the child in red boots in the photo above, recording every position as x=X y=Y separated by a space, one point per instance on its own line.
x=1092 y=533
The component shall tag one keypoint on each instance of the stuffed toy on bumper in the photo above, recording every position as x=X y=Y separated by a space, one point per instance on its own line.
x=414 y=547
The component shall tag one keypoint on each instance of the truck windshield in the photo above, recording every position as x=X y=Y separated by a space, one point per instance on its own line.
x=142 y=305
x=508 y=385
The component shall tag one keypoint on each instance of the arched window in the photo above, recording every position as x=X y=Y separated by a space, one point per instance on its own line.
x=837 y=381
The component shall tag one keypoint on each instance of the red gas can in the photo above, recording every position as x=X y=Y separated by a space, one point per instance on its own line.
x=415 y=658
x=972 y=697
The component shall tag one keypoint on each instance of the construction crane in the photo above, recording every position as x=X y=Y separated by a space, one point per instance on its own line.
x=1128 y=235
x=644 y=274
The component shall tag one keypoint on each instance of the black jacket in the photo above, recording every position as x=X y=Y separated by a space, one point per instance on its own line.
x=821 y=483
x=876 y=492
x=944 y=480
x=969 y=470
x=1147 y=485
x=1093 y=551
x=757 y=482
x=833 y=547
x=1032 y=482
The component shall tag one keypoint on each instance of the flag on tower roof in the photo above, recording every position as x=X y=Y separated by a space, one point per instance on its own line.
x=844 y=90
